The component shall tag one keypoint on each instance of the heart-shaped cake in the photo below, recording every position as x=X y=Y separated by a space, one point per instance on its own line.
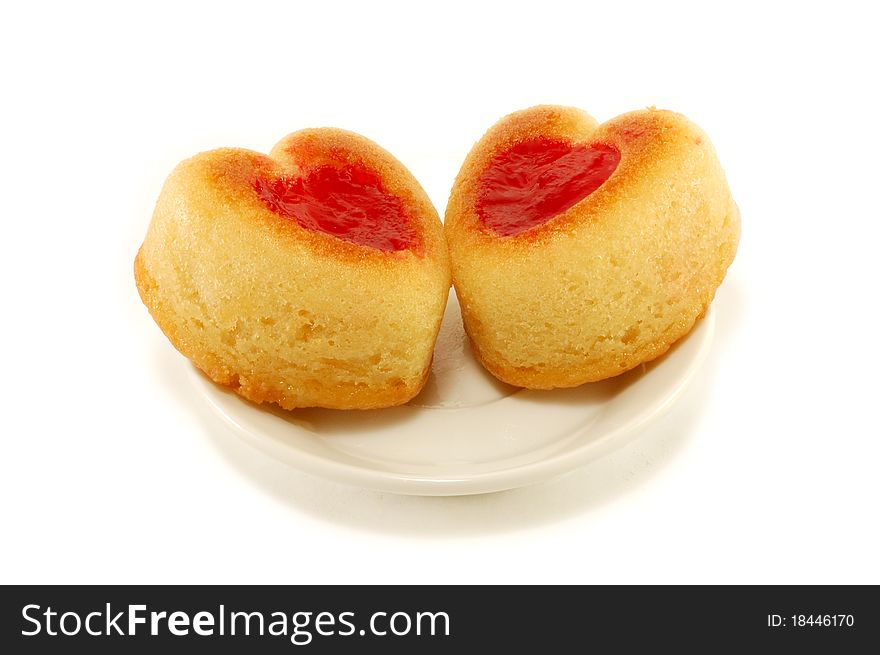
x=580 y=250
x=316 y=276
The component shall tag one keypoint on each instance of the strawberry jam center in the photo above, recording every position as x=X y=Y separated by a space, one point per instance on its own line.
x=349 y=203
x=535 y=180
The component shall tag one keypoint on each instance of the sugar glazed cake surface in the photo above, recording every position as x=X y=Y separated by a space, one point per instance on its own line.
x=256 y=271
x=605 y=283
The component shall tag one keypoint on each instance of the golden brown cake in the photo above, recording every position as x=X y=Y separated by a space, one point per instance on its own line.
x=581 y=250
x=316 y=276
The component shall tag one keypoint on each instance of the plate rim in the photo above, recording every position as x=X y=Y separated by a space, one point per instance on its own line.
x=522 y=475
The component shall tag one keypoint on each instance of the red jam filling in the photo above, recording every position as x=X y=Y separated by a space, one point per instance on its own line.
x=536 y=180
x=349 y=203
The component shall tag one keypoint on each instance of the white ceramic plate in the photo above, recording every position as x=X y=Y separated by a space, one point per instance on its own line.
x=466 y=433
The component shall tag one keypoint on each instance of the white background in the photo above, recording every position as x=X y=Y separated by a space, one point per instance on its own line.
x=112 y=468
